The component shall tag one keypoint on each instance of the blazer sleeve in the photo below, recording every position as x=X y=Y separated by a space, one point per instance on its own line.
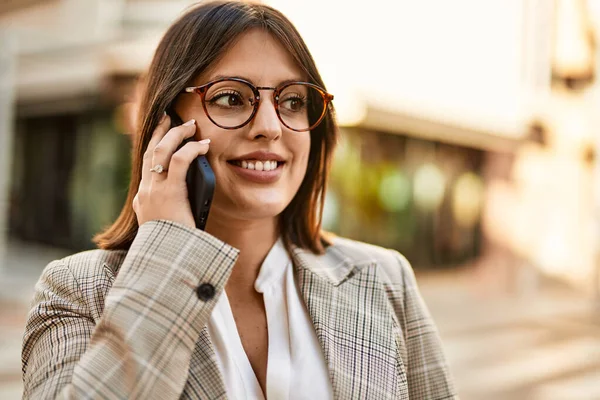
x=426 y=367
x=142 y=344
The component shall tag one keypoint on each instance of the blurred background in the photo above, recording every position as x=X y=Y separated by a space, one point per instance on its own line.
x=470 y=143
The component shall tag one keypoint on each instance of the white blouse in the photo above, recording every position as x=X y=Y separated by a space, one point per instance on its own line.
x=296 y=367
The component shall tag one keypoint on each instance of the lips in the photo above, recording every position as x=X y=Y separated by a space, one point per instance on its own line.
x=258 y=166
x=260 y=155
x=259 y=161
x=256 y=176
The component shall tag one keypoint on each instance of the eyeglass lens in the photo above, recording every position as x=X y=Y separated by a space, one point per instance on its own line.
x=231 y=104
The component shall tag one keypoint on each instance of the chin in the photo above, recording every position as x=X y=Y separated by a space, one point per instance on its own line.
x=267 y=205
x=255 y=213
x=264 y=213
x=261 y=209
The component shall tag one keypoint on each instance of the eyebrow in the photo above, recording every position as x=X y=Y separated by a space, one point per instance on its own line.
x=217 y=77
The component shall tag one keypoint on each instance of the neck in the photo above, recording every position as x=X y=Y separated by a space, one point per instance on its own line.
x=254 y=238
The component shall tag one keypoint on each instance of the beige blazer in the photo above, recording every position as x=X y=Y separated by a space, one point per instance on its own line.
x=132 y=324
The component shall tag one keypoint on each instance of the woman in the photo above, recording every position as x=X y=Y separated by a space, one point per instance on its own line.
x=261 y=303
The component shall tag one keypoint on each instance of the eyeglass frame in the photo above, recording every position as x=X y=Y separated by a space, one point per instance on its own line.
x=203 y=89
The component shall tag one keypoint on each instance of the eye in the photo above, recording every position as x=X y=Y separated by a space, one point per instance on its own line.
x=227 y=99
x=293 y=103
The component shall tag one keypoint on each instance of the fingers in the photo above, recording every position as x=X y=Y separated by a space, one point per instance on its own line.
x=154 y=199
x=164 y=150
x=181 y=160
x=160 y=131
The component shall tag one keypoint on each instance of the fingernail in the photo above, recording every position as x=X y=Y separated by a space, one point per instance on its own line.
x=164 y=116
x=190 y=122
x=204 y=141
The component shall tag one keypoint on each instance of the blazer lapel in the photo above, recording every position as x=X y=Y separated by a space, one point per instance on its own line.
x=353 y=322
x=355 y=326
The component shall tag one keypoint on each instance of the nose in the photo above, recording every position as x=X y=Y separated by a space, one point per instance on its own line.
x=265 y=124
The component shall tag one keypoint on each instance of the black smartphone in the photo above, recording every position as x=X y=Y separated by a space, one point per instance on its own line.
x=200 y=180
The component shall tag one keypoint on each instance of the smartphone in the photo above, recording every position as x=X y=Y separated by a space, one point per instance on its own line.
x=200 y=180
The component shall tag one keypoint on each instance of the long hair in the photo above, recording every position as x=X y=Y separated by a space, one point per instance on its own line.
x=191 y=45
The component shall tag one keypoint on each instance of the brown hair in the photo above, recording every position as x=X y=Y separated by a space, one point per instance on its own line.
x=191 y=45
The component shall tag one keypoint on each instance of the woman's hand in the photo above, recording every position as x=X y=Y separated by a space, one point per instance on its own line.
x=164 y=195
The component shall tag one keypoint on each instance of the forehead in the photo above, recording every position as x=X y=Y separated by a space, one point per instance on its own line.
x=258 y=57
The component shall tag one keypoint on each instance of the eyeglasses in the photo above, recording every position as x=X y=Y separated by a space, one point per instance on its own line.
x=231 y=103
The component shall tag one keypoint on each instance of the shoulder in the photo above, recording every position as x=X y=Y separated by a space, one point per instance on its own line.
x=360 y=252
x=87 y=264
x=393 y=266
x=82 y=277
x=393 y=271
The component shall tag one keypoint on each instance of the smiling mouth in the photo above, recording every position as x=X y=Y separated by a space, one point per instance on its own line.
x=256 y=165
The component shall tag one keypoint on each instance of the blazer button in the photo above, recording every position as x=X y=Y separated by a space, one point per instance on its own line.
x=205 y=291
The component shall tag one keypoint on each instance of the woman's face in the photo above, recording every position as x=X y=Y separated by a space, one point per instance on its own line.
x=240 y=191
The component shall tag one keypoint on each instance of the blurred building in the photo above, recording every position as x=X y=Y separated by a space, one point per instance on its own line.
x=468 y=130
x=471 y=132
x=76 y=62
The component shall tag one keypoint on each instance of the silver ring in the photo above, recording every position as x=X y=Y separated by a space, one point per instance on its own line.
x=159 y=169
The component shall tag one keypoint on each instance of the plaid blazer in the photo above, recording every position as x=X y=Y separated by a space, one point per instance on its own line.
x=141 y=332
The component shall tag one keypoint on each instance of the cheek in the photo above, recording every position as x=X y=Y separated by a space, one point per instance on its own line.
x=301 y=157
x=302 y=166
x=303 y=151
x=206 y=130
x=218 y=141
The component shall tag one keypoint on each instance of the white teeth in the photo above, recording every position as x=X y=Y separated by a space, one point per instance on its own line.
x=258 y=165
